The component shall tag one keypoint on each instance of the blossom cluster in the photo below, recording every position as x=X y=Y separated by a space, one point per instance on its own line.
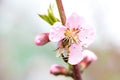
x=72 y=39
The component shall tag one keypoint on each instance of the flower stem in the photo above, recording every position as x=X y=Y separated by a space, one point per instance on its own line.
x=61 y=11
x=76 y=72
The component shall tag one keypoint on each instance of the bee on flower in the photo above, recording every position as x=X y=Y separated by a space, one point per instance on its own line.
x=71 y=38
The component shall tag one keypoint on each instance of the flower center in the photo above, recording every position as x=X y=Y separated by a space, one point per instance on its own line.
x=72 y=35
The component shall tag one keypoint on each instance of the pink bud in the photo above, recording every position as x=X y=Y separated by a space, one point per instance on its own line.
x=41 y=39
x=57 y=70
x=88 y=58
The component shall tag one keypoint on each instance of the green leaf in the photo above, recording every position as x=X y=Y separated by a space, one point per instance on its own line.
x=51 y=14
x=50 y=17
x=47 y=19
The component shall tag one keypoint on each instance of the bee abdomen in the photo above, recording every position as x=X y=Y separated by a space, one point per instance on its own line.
x=65 y=58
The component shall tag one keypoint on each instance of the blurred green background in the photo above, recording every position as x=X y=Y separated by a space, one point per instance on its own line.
x=21 y=59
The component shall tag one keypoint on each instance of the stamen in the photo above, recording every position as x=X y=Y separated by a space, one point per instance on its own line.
x=71 y=35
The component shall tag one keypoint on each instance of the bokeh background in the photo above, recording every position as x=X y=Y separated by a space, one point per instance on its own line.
x=21 y=59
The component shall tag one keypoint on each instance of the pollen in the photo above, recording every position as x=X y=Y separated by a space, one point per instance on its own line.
x=72 y=34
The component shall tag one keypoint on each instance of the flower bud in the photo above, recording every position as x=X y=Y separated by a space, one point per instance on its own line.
x=42 y=39
x=88 y=58
x=57 y=70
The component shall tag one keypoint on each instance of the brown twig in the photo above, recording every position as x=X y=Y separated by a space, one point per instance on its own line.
x=61 y=11
x=76 y=72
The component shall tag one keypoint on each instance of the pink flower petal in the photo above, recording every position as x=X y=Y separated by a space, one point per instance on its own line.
x=57 y=32
x=89 y=55
x=59 y=43
x=74 y=21
x=75 y=54
x=87 y=35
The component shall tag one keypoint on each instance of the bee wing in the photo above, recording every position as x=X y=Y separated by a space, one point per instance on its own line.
x=59 y=52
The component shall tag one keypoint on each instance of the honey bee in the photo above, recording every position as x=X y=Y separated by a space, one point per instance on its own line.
x=63 y=51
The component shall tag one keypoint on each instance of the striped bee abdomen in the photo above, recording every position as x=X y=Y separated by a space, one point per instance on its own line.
x=65 y=58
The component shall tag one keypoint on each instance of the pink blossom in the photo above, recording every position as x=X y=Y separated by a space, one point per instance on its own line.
x=41 y=39
x=72 y=37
